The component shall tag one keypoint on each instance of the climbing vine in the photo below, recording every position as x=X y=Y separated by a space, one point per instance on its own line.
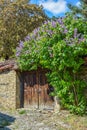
x=59 y=47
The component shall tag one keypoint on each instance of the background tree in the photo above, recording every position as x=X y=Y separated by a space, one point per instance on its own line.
x=81 y=9
x=17 y=19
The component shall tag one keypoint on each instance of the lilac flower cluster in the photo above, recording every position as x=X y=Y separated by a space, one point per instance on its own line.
x=79 y=36
x=60 y=21
x=47 y=30
x=46 y=22
x=63 y=27
x=54 y=24
x=75 y=32
x=19 y=48
x=74 y=40
x=27 y=38
x=36 y=34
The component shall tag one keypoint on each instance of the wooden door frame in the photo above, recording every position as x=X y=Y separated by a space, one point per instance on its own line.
x=21 y=78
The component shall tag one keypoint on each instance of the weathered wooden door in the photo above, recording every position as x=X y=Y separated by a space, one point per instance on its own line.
x=36 y=90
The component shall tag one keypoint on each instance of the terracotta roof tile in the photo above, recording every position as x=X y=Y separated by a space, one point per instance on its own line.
x=8 y=64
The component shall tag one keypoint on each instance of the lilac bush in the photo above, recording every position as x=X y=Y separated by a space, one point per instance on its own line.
x=59 y=46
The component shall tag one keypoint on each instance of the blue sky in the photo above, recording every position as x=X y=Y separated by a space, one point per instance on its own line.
x=55 y=7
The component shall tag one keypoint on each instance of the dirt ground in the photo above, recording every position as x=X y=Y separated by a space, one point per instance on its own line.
x=25 y=119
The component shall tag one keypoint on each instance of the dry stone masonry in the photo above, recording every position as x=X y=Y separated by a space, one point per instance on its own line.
x=8 y=89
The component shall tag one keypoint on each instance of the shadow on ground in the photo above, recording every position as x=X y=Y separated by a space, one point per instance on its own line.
x=4 y=128
x=5 y=121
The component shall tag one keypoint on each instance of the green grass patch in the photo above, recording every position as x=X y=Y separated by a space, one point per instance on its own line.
x=22 y=112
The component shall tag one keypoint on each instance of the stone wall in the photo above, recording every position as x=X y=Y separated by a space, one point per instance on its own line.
x=8 y=89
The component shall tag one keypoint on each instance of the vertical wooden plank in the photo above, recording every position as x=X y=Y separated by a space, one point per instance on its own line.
x=21 y=90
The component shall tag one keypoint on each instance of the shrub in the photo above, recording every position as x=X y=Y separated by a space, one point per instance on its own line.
x=59 y=46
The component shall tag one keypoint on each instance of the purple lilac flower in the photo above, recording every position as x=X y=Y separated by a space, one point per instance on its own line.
x=81 y=39
x=69 y=42
x=27 y=38
x=38 y=29
x=17 y=54
x=33 y=37
x=19 y=48
x=50 y=32
x=46 y=22
x=53 y=24
x=35 y=31
x=21 y=44
x=75 y=32
x=65 y=31
x=60 y=21
x=18 y=51
x=62 y=26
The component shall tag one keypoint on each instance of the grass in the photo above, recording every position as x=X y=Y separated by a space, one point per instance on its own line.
x=22 y=112
x=76 y=122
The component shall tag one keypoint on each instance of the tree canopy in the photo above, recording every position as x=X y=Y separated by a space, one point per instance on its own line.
x=81 y=9
x=17 y=19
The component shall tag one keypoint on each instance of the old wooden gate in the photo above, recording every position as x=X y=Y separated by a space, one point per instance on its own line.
x=36 y=90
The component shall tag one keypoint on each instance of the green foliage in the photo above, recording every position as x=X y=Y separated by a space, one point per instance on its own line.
x=59 y=46
x=17 y=19
x=22 y=112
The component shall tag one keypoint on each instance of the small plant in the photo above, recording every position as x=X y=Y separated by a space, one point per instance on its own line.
x=22 y=112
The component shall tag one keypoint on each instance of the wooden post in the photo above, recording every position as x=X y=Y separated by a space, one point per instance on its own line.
x=21 y=90
x=38 y=89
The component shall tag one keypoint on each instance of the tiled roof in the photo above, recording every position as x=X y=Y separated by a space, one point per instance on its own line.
x=8 y=64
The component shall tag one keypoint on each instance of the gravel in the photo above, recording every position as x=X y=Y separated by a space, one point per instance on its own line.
x=30 y=120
